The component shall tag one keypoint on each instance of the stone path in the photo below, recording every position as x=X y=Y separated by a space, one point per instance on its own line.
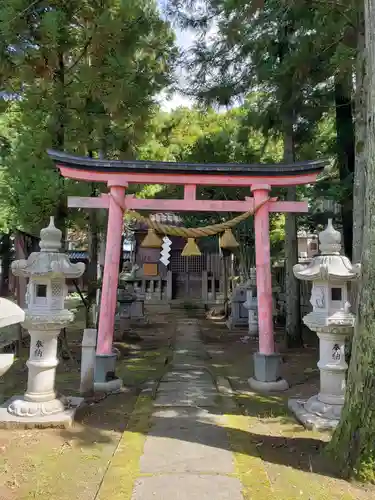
x=186 y=454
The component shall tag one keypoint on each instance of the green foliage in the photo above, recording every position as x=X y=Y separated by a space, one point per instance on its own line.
x=192 y=135
x=87 y=74
x=285 y=58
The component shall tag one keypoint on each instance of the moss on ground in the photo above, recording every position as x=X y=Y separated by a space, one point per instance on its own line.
x=123 y=470
x=249 y=465
x=65 y=464
x=276 y=457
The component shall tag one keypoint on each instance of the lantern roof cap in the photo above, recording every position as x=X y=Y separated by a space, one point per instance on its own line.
x=49 y=261
x=50 y=237
x=330 y=265
x=330 y=240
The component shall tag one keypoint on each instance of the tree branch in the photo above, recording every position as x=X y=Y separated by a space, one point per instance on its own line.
x=81 y=55
x=339 y=6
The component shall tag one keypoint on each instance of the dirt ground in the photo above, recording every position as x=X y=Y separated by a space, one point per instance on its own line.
x=64 y=464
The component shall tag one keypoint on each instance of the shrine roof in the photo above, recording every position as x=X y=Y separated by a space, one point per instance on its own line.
x=165 y=167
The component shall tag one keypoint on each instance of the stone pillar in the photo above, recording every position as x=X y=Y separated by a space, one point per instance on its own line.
x=266 y=361
x=333 y=368
x=252 y=307
x=205 y=287
x=238 y=315
x=42 y=365
x=169 y=285
x=106 y=358
x=333 y=322
x=251 y=303
x=88 y=361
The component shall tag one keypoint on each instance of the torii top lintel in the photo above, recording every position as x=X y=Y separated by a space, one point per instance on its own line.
x=161 y=172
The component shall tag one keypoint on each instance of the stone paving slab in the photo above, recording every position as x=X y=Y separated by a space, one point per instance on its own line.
x=186 y=454
x=185 y=375
x=187 y=487
x=197 y=388
x=186 y=398
x=187 y=441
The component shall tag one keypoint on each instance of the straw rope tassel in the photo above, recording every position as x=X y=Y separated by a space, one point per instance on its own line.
x=191 y=249
x=151 y=240
x=228 y=241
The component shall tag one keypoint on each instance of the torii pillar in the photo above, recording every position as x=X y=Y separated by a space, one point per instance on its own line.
x=104 y=371
x=259 y=178
x=266 y=360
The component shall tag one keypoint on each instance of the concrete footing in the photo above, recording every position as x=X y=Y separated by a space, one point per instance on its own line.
x=275 y=386
x=313 y=414
x=110 y=386
x=62 y=419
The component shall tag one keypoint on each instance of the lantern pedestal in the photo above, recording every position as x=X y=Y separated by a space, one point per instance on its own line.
x=323 y=411
x=63 y=418
x=41 y=406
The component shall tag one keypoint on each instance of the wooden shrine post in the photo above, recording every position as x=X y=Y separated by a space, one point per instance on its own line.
x=259 y=178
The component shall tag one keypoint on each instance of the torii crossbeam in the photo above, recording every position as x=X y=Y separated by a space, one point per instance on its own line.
x=259 y=178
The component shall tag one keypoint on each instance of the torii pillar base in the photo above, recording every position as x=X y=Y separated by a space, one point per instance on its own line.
x=267 y=373
x=105 y=379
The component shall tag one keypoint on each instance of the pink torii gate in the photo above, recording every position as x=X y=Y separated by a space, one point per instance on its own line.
x=259 y=178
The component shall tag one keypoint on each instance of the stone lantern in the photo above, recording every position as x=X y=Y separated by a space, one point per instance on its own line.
x=45 y=316
x=238 y=316
x=251 y=303
x=333 y=322
x=126 y=297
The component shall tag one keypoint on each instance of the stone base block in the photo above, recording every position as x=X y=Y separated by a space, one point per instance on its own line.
x=105 y=378
x=62 y=419
x=253 y=330
x=236 y=323
x=142 y=321
x=276 y=386
x=105 y=367
x=267 y=367
x=313 y=414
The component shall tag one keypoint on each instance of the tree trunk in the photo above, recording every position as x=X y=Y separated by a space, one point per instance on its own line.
x=353 y=443
x=360 y=138
x=345 y=153
x=59 y=141
x=293 y=328
x=92 y=266
x=6 y=258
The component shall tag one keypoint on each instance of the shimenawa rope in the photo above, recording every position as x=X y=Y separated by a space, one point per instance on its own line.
x=195 y=232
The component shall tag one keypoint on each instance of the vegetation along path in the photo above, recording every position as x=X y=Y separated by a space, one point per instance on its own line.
x=177 y=430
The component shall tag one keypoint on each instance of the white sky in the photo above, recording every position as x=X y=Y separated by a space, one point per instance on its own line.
x=184 y=40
